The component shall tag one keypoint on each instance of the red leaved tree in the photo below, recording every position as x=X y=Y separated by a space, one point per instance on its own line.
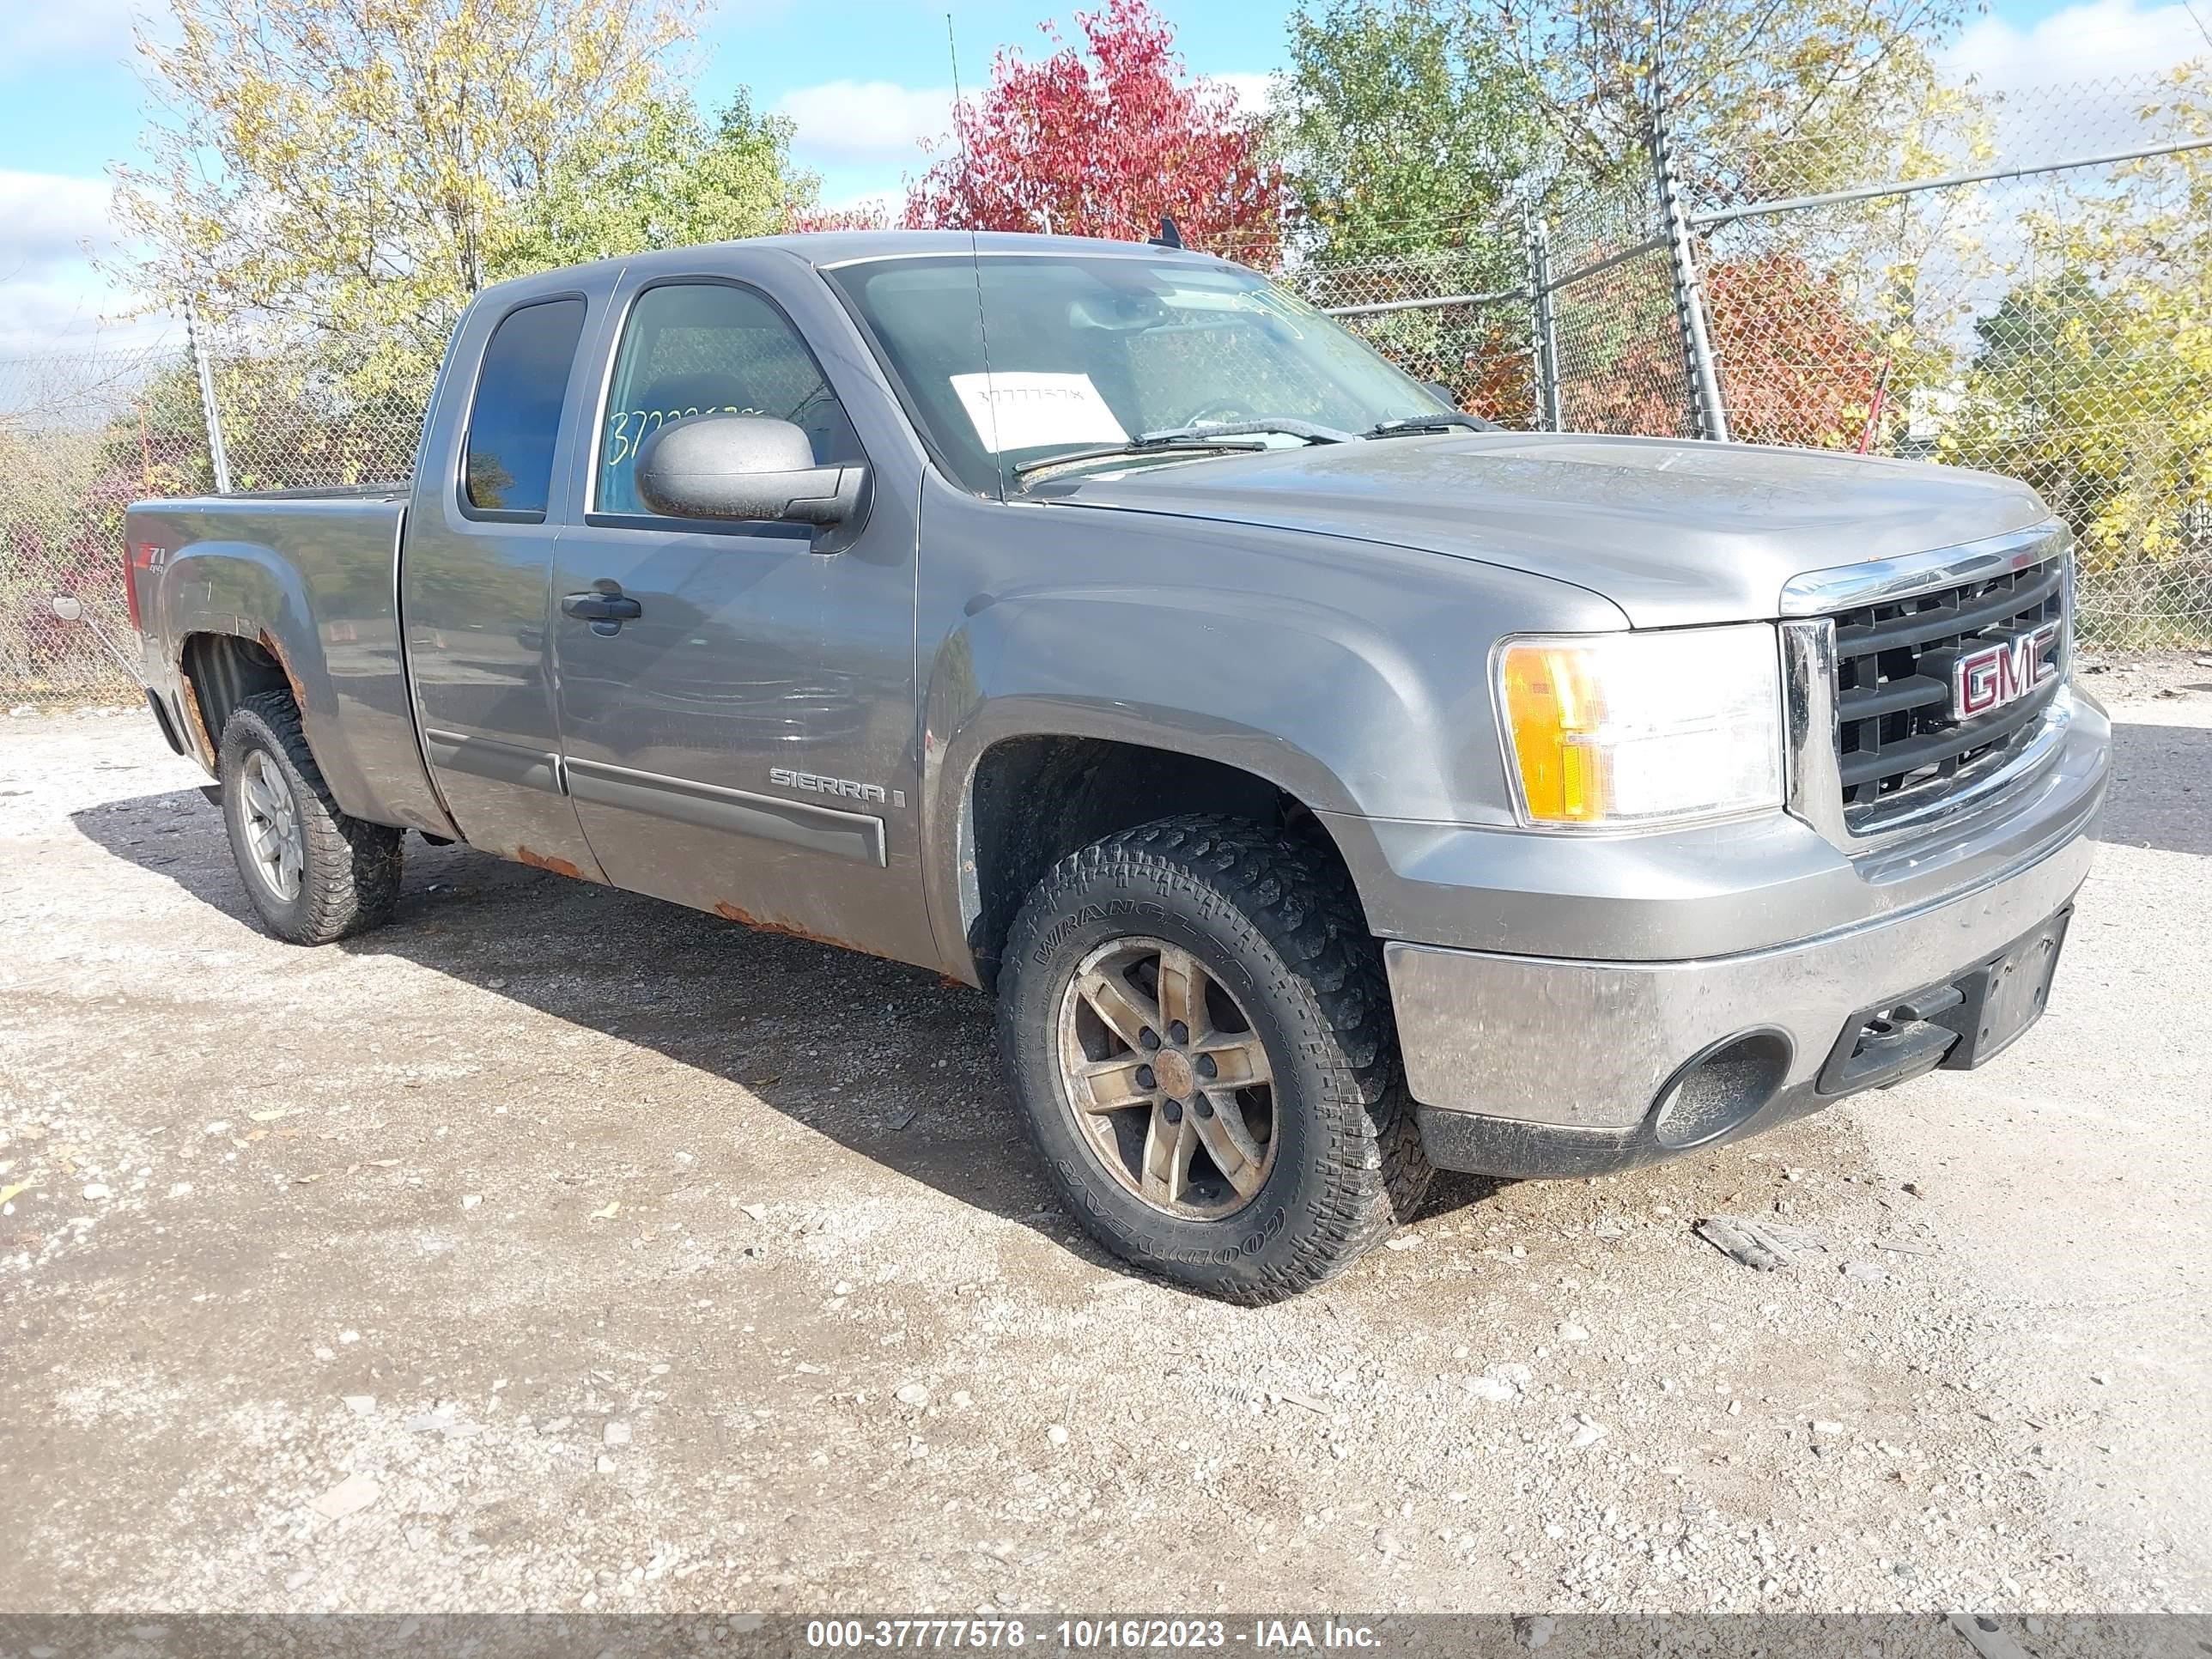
x=1797 y=366
x=1102 y=142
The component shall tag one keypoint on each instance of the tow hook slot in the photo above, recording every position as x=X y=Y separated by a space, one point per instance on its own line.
x=1883 y=1045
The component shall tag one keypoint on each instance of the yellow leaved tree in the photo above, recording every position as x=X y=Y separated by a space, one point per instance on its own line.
x=2093 y=380
x=351 y=171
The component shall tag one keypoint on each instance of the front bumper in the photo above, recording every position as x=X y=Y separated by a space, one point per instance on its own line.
x=1531 y=1065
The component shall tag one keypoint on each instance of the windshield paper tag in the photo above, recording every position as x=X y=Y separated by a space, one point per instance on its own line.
x=1034 y=411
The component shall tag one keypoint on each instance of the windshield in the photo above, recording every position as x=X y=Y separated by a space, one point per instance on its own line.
x=1088 y=351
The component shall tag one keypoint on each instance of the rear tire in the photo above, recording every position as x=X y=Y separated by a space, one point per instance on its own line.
x=1251 y=1194
x=312 y=873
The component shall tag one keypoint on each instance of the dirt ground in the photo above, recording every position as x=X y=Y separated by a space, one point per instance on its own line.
x=555 y=1248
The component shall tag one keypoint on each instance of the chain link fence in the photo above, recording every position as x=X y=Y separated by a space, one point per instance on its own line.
x=2023 y=282
x=2023 y=285
x=83 y=436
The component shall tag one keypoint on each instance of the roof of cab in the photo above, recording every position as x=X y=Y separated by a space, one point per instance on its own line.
x=823 y=249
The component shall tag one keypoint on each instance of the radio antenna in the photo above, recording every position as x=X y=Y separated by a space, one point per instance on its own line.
x=974 y=256
x=952 y=51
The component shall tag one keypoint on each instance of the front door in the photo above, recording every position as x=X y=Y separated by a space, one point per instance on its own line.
x=736 y=710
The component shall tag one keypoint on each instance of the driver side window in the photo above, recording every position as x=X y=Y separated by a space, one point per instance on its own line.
x=692 y=348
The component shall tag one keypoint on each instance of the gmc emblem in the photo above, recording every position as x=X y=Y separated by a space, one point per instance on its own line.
x=2000 y=673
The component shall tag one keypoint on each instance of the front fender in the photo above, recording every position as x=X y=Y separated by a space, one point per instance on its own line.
x=1322 y=707
x=1361 y=692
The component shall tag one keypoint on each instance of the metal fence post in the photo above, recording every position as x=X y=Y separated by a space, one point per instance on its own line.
x=208 y=410
x=1708 y=415
x=1547 y=353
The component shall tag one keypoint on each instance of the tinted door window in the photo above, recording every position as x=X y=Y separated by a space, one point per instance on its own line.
x=517 y=413
x=692 y=348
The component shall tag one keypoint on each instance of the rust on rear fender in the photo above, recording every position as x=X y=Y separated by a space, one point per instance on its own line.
x=188 y=694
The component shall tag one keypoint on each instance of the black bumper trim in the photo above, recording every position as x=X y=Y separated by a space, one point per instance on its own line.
x=1515 y=1150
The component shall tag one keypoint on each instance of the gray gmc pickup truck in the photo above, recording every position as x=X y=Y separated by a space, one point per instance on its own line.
x=1327 y=786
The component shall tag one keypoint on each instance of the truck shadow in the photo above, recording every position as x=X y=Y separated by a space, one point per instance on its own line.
x=890 y=1061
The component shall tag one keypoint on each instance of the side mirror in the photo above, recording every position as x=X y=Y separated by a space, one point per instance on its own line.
x=743 y=467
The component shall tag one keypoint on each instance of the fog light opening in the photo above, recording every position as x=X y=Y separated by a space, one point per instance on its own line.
x=1721 y=1088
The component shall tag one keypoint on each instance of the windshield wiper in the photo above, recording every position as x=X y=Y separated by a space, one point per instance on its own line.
x=1226 y=437
x=1435 y=422
x=1289 y=426
x=1152 y=443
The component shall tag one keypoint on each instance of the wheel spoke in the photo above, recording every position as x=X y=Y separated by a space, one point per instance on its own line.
x=258 y=796
x=1168 y=1147
x=1182 y=991
x=1240 y=1061
x=1109 y=1086
x=1229 y=1143
x=263 y=838
x=1126 y=1013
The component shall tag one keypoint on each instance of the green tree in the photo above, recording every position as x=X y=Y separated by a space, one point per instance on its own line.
x=666 y=179
x=1403 y=126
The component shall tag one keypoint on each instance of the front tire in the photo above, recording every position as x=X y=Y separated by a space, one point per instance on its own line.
x=1197 y=1028
x=312 y=874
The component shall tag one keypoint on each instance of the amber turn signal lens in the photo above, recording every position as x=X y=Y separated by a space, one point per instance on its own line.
x=1555 y=706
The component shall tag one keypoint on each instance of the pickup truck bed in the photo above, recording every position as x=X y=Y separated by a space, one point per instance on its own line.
x=309 y=577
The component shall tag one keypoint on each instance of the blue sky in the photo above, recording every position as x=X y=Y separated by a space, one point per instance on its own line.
x=863 y=78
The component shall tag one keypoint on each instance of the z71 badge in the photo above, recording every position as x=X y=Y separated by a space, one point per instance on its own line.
x=785 y=777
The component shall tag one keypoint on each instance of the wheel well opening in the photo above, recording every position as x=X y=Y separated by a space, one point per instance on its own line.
x=221 y=670
x=1034 y=800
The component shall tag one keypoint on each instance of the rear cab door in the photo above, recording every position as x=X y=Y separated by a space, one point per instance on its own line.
x=475 y=573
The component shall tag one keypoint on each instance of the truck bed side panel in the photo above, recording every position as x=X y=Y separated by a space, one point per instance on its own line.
x=310 y=581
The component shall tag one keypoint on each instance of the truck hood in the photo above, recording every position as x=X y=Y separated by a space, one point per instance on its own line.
x=1672 y=533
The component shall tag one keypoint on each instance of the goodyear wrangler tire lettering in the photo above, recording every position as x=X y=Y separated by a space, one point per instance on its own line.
x=1243 y=946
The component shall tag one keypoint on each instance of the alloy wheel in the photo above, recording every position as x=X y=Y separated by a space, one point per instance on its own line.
x=1170 y=1085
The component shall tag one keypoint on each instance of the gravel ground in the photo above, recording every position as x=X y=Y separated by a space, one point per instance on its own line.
x=555 y=1248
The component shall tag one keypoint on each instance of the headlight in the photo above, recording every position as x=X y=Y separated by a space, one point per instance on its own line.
x=1608 y=730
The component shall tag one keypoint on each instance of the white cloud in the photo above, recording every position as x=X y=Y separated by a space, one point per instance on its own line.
x=1251 y=90
x=48 y=217
x=52 y=300
x=856 y=121
x=73 y=312
x=2096 y=41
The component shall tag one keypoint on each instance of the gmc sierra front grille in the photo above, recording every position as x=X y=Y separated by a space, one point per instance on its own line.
x=1897 y=733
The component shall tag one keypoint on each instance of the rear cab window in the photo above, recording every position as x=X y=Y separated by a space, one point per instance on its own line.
x=514 y=418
